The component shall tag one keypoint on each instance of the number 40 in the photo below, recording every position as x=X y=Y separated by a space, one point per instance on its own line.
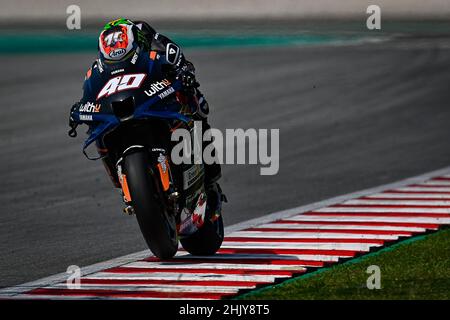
x=121 y=83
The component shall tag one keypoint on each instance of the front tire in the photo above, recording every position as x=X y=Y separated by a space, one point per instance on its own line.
x=157 y=226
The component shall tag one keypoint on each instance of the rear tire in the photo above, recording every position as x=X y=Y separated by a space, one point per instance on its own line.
x=205 y=241
x=157 y=227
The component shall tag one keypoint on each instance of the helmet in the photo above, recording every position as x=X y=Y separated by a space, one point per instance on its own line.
x=119 y=40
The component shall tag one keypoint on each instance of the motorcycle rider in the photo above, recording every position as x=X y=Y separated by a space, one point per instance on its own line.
x=118 y=42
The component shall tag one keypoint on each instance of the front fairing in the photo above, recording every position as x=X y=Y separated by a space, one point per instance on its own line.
x=143 y=82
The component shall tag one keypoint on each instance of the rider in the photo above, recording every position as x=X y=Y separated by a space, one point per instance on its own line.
x=118 y=43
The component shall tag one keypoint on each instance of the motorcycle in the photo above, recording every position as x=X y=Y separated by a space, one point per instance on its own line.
x=131 y=113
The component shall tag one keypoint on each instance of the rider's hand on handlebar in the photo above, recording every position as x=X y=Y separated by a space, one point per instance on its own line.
x=188 y=79
x=74 y=107
x=72 y=123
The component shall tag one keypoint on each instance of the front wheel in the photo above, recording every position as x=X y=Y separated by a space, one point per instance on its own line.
x=157 y=226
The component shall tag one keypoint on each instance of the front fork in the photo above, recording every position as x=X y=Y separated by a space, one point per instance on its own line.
x=166 y=187
x=163 y=180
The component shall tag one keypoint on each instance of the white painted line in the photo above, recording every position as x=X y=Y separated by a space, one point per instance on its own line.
x=436 y=183
x=243 y=256
x=405 y=203
x=385 y=210
x=219 y=266
x=185 y=276
x=310 y=246
x=151 y=287
x=426 y=189
x=12 y=291
x=357 y=218
x=423 y=196
x=315 y=235
x=338 y=227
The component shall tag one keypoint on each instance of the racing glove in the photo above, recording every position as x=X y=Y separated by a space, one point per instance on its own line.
x=72 y=123
x=188 y=79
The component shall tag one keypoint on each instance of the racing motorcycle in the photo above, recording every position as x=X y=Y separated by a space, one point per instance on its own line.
x=131 y=113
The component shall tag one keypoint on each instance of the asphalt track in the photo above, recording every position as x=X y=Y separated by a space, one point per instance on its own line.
x=350 y=117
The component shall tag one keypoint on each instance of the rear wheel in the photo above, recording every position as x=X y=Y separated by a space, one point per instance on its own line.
x=207 y=240
x=157 y=226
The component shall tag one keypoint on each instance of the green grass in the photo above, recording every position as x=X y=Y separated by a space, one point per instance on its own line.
x=418 y=268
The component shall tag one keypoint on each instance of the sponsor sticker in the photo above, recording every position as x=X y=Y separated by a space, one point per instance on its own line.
x=134 y=59
x=157 y=87
x=90 y=107
x=191 y=175
x=162 y=161
x=117 y=71
x=172 y=53
x=166 y=93
x=86 y=117
x=117 y=53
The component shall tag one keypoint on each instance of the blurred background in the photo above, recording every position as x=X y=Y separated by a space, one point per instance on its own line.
x=355 y=107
